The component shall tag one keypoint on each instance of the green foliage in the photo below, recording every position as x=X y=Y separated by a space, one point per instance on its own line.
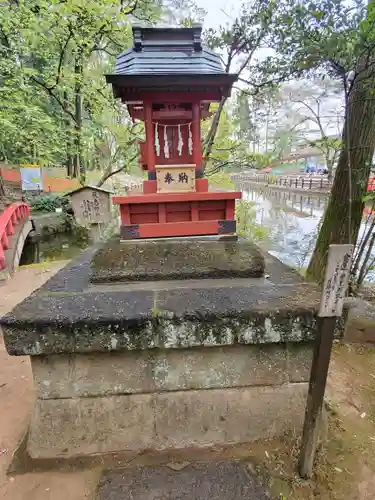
x=229 y=153
x=283 y=141
x=221 y=180
x=258 y=160
x=330 y=149
x=64 y=239
x=247 y=226
x=67 y=226
x=49 y=203
x=325 y=37
x=303 y=38
x=242 y=118
x=55 y=105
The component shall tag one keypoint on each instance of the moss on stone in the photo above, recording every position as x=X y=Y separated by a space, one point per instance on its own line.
x=178 y=259
x=161 y=329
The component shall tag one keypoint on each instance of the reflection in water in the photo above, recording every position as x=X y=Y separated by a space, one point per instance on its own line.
x=292 y=220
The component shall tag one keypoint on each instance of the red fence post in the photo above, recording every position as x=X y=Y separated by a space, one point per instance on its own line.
x=10 y=228
x=4 y=241
x=2 y=258
x=8 y=218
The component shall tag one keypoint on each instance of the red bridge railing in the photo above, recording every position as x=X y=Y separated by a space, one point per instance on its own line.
x=8 y=219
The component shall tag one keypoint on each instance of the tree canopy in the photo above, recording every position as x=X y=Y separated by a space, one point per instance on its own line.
x=55 y=106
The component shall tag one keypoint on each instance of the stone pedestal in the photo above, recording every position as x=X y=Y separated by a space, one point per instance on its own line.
x=135 y=365
x=166 y=398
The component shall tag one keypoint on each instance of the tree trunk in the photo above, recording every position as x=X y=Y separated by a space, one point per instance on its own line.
x=68 y=125
x=109 y=172
x=69 y=157
x=79 y=163
x=34 y=153
x=97 y=165
x=329 y=164
x=267 y=125
x=343 y=215
x=210 y=140
x=2 y=190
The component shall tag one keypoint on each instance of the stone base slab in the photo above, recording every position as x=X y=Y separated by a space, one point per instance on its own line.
x=151 y=260
x=181 y=419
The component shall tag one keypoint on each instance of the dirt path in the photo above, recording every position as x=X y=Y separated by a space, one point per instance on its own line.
x=16 y=399
x=345 y=464
x=352 y=392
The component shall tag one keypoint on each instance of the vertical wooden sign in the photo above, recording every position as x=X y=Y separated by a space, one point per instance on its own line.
x=336 y=280
x=331 y=306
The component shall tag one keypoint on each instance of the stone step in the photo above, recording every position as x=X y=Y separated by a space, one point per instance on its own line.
x=213 y=481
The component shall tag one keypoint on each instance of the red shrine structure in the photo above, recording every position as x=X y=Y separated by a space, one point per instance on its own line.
x=169 y=80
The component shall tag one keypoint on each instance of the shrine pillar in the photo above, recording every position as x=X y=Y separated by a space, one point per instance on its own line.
x=196 y=131
x=150 y=140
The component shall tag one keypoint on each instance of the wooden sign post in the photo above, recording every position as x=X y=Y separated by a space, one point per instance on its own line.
x=331 y=306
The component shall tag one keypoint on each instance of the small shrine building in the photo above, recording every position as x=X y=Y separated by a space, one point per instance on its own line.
x=168 y=80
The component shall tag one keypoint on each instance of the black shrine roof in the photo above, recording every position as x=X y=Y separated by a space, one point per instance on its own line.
x=174 y=57
x=168 y=51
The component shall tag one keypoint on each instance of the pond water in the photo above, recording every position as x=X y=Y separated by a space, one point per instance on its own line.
x=291 y=219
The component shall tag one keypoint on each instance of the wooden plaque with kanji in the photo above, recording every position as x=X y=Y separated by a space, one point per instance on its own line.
x=175 y=178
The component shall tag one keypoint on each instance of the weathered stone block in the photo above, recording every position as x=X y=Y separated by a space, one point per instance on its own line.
x=299 y=361
x=82 y=375
x=206 y=418
x=176 y=259
x=84 y=426
x=218 y=367
x=85 y=375
x=118 y=319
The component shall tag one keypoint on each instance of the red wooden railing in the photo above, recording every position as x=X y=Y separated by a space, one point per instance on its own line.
x=10 y=216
